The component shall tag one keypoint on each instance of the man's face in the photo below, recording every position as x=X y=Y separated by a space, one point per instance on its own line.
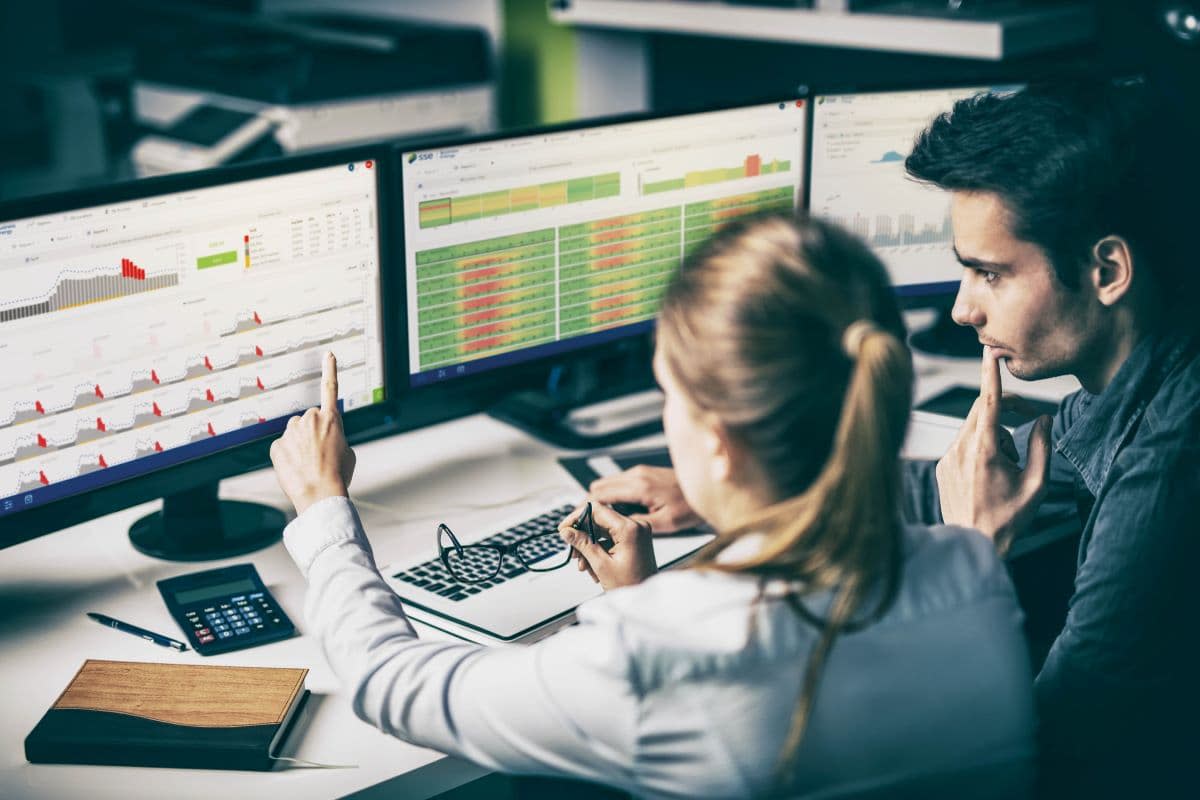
x=1011 y=296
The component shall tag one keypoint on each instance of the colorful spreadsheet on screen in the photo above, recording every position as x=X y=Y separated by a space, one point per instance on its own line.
x=520 y=244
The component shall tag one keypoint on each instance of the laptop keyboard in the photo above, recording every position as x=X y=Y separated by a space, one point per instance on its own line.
x=432 y=576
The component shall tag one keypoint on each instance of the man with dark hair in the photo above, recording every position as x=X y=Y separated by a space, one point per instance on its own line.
x=1070 y=212
x=1072 y=208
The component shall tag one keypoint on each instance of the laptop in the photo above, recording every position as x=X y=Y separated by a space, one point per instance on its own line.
x=519 y=604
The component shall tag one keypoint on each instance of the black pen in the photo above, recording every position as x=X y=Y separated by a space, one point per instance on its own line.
x=586 y=519
x=157 y=638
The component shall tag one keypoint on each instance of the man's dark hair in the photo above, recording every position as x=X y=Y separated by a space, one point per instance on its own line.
x=1074 y=162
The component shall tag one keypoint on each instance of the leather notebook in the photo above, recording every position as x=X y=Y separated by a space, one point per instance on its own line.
x=169 y=715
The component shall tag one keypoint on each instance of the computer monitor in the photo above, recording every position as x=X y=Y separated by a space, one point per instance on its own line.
x=857 y=178
x=542 y=247
x=156 y=335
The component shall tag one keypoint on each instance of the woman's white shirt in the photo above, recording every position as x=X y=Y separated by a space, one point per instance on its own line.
x=685 y=685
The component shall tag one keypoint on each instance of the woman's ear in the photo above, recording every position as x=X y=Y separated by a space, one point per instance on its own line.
x=721 y=450
x=1112 y=269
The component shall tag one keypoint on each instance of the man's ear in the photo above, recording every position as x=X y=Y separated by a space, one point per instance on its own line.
x=1112 y=269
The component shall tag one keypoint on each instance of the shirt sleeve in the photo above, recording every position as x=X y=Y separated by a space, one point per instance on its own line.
x=922 y=503
x=564 y=706
x=1058 y=509
x=1127 y=644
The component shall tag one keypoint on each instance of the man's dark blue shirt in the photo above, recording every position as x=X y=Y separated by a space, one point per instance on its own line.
x=1118 y=692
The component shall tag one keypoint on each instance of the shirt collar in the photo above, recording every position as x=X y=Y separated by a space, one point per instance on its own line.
x=1105 y=420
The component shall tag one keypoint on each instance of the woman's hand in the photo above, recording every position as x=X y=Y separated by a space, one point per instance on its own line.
x=630 y=560
x=654 y=488
x=312 y=460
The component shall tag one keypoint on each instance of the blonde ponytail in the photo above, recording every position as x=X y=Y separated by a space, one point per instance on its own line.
x=856 y=494
x=802 y=358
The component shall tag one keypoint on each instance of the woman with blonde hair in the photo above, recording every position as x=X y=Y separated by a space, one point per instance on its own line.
x=817 y=648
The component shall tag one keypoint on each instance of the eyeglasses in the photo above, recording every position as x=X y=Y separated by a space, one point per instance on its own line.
x=477 y=563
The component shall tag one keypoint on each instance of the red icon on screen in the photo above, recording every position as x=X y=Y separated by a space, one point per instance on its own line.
x=370 y=163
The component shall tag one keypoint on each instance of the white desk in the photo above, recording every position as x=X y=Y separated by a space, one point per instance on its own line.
x=47 y=584
x=441 y=473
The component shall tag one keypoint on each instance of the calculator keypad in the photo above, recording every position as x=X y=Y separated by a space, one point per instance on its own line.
x=239 y=615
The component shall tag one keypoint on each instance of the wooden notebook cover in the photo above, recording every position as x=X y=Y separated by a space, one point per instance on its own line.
x=197 y=695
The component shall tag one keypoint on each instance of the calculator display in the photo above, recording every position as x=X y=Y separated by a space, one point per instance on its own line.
x=217 y=590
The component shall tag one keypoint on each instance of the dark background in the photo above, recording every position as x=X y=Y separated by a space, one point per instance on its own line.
x=81 y=55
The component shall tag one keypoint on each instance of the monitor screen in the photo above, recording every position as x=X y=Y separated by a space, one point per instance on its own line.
x=140 y=334
x=523 y=247
x=859 y=143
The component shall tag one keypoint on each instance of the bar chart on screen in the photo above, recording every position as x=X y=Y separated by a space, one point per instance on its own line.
x=858 y=179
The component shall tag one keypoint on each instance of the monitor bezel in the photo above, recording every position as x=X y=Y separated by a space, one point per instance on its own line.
x=360 y=424
x=484 y=388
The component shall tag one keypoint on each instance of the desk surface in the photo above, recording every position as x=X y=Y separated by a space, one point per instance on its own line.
x=461 y=473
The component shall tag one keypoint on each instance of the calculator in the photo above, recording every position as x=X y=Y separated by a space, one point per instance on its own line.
x=225 y=609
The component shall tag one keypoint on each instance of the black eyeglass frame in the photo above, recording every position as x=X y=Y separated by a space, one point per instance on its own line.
x=501 y=550
x=506 y=549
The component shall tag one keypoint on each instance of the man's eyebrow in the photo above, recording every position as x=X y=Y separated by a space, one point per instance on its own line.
x=978 y=263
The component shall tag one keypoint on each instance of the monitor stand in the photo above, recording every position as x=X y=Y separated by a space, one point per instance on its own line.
x=591 y=427
x=945 y=337
x=194 y=525
x=592 y=402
